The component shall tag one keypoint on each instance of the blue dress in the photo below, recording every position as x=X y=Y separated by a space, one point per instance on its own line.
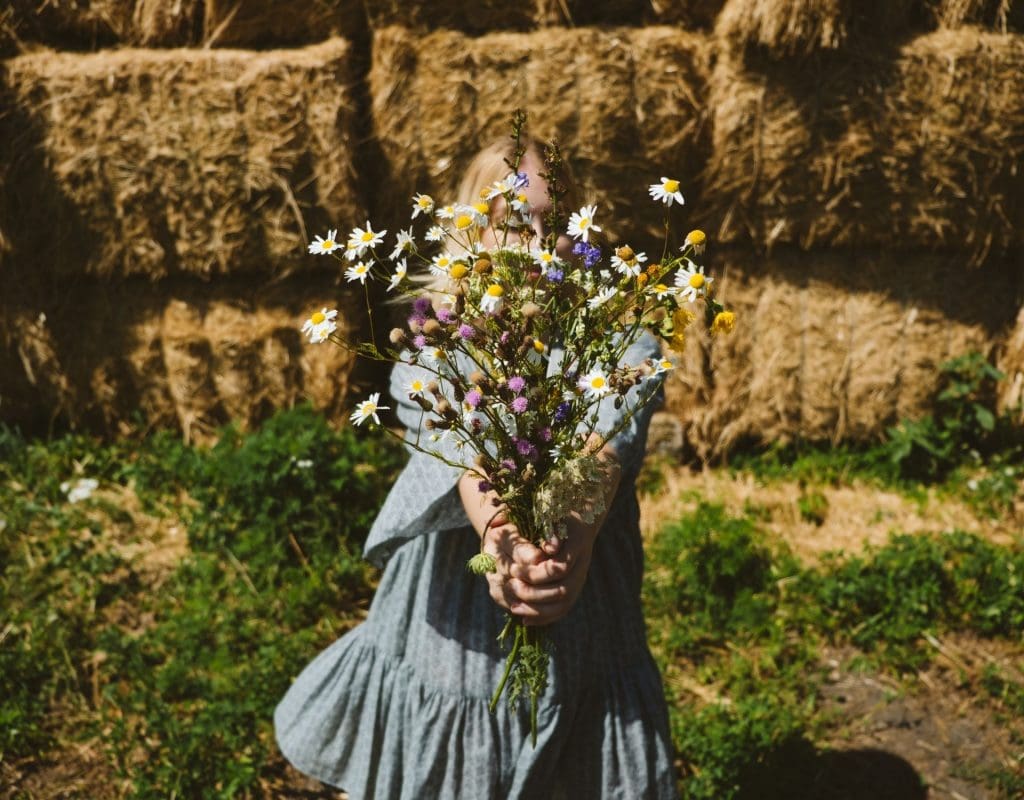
x=397 y=709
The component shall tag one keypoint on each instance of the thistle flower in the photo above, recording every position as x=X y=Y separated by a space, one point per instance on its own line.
x=473 y=398
x=519 y=404
x=516 y=383
x=466 y=331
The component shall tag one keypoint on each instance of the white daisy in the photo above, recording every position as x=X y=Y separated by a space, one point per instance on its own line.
x=662 y=366
x=602 y=297
x=435 y=233
x=422 y=204
x=81 y=489
x=545 y=259
x=667 y=191
x=556 y=453
x=401 y=268
x=695 y=239
x=629 y=266
x=362 y=239
x=416 y=387
x=445 y=212
x=323 y=245
x=492 y=298
x=358 y=272
x=351 y=251
x=581 y=223
x=594 y=384
x=661 y=291
x=320 y=325
x=441 y=264
x=481 y=214
x=368 y=408
x=520 y=203
x=403 y=244
x=692 y=281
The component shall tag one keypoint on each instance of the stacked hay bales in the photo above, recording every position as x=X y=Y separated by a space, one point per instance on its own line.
x=624 y=103
x=179 y=183
x=855 y=164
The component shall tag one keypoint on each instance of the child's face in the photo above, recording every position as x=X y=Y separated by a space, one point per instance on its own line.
x=537 y=196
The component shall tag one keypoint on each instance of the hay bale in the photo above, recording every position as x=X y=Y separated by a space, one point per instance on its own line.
x=922 y=152
x=187 y=355
x=487 y=16
x=1011 y=362
x=784 y=28
x=690 y=14
x=270 y=23
x=997 y=15
x=626 y=104
x=171 y=162
x=71 y=24
x=831 y=346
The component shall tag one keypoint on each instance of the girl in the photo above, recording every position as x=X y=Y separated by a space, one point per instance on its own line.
x=398 y=707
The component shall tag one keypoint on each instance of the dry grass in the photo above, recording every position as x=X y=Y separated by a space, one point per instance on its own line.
x=857 y=515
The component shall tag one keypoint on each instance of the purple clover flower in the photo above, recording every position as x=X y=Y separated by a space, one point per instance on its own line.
x=466 y=331
x=526 y=449
x=516 y=384
x=520 y=404
x=420 y=341
x=562 y=412
x=473 y=398
x=421 y=305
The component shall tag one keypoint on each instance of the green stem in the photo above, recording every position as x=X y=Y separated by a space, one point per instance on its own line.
x=508 y=667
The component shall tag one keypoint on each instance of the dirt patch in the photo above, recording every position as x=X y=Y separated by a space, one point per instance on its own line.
x=939 y=723
x=854 y=516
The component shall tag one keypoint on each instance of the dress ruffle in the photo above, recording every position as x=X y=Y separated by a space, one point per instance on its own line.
x=368 y=723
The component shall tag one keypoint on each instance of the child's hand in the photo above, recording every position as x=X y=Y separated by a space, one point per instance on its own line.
x=539 y=584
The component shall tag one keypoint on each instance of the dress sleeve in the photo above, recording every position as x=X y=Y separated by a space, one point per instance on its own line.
x=631 y=442
x=425 y=497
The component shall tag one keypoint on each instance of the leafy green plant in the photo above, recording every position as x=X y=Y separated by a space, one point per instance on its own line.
x=813 y=506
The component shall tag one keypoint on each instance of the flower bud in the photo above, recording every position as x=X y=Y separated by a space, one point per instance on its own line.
x=431 y=327
x=443 y=407
x=477 y=377
x=423 y=402
x=481 y=564
x=530 y=310
x=433 y=388
x=482 y=266
x=397 y=336
x=625 y=252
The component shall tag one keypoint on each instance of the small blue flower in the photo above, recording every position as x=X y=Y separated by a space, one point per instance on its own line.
x=521 y=181
x=554 y=275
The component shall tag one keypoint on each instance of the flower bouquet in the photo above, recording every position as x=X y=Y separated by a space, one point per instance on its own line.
x=520 y=346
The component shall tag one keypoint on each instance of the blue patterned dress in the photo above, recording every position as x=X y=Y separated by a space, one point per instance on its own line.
x=397 y=708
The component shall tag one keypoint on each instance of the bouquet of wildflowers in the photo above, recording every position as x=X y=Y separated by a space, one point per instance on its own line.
x=486 y=332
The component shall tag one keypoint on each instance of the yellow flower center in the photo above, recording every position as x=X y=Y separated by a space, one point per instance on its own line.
x=671 y=186
x=695 y=237
x=494 y=290
x=417 y=385
x=584 y=223
x=666 y=364
x=425 y=202
x=458 y=271
x=724 y=322
x=463 y=222
x=696 y=280
x=317 y=317
x=661 y=288
x=367 y=236
x=521 y=197
x=443 y=262
x=483 y=208
x=597 y=382
x=328 y=244
x=538 y=345
x=546 y=258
